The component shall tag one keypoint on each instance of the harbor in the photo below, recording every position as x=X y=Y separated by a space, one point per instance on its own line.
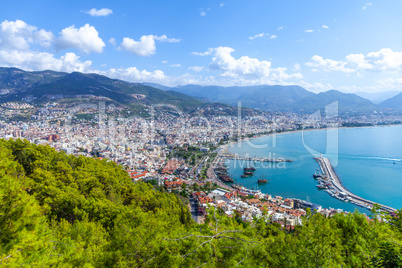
x=330 y=182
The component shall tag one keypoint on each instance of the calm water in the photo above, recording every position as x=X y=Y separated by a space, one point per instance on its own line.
x=368 y=162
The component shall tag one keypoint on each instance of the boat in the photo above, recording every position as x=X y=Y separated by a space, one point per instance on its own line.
x=261 y=181
x=246 y=175
x=226 y=179
x=321 y=187
x=248 y=169
x=316 y=174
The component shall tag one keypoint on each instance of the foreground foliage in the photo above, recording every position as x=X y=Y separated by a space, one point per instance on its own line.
x=62 y=210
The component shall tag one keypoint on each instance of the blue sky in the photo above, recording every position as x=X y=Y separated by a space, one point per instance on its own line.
x=350 y=46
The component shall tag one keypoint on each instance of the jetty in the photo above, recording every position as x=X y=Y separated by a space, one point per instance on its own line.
x=329 y=173
x=228 y=155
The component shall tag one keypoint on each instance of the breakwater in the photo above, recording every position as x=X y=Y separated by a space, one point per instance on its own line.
x=340 y=191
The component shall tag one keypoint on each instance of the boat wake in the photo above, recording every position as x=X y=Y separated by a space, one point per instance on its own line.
x=375 y=158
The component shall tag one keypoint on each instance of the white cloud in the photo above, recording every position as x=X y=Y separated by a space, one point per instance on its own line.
x=44 y=38
x=85 y=38
x=20 y=35
x=280 y=28
x=273 y=36
x=260 y=35
x=100 y=12
x=164 y=38
x=222 y=4
x=16 y=38
x=175 y=65
x=247 y=68
x=296 y=67
x=206 y=53
x=309 y=31
x=366 y=6
x=315 y=87
x=196 y=68
x=329 y=65
x=389 y=83
x=36 y=61
x=359 y=60
x=132 y=74
x=326 y=27
x=383 y=60
x=112 y=41
x=164 y=61
x=146 y=45
x=203 y=13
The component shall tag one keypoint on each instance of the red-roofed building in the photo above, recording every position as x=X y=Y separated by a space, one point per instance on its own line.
x=135 y=176
x=171 y=166
x=231 y=195
x=288 y=202
x=173 y=185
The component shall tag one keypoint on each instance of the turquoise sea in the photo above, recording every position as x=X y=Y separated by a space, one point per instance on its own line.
x=368 y=162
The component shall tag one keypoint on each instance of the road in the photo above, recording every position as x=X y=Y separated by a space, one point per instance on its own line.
x=194 y=210
x=212 y=176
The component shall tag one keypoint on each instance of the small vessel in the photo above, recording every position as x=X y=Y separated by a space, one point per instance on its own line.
x=316 y=174
x=246 y=175
x=226 y=179
x=262 y=180
x=321 y=187
x=248 y=169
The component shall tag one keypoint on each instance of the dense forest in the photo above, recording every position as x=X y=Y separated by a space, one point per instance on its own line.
x=62 y=210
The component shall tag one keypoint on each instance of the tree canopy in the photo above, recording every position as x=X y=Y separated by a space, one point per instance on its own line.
x=63 y=210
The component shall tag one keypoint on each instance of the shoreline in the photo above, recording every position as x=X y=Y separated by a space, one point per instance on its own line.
x=302 y=130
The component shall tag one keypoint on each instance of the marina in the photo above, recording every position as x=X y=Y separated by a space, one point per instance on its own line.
x=332 y=185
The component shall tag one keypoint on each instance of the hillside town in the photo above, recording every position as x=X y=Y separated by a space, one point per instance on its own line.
x=176 y=152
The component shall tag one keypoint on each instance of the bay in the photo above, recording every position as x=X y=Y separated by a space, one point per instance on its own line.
x=368 y=162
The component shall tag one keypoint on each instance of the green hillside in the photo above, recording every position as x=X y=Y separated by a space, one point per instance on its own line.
x=348 y=103
x=13 y=78
x=65 y=211
x=274 y=98
x=47 y=86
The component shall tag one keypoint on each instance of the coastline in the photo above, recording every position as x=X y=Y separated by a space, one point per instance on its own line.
x=302 y=130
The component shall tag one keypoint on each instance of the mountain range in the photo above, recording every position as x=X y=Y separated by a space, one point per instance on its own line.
x=16 y=84
x=377 y=97
x=278 y=98
x=393 y=103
